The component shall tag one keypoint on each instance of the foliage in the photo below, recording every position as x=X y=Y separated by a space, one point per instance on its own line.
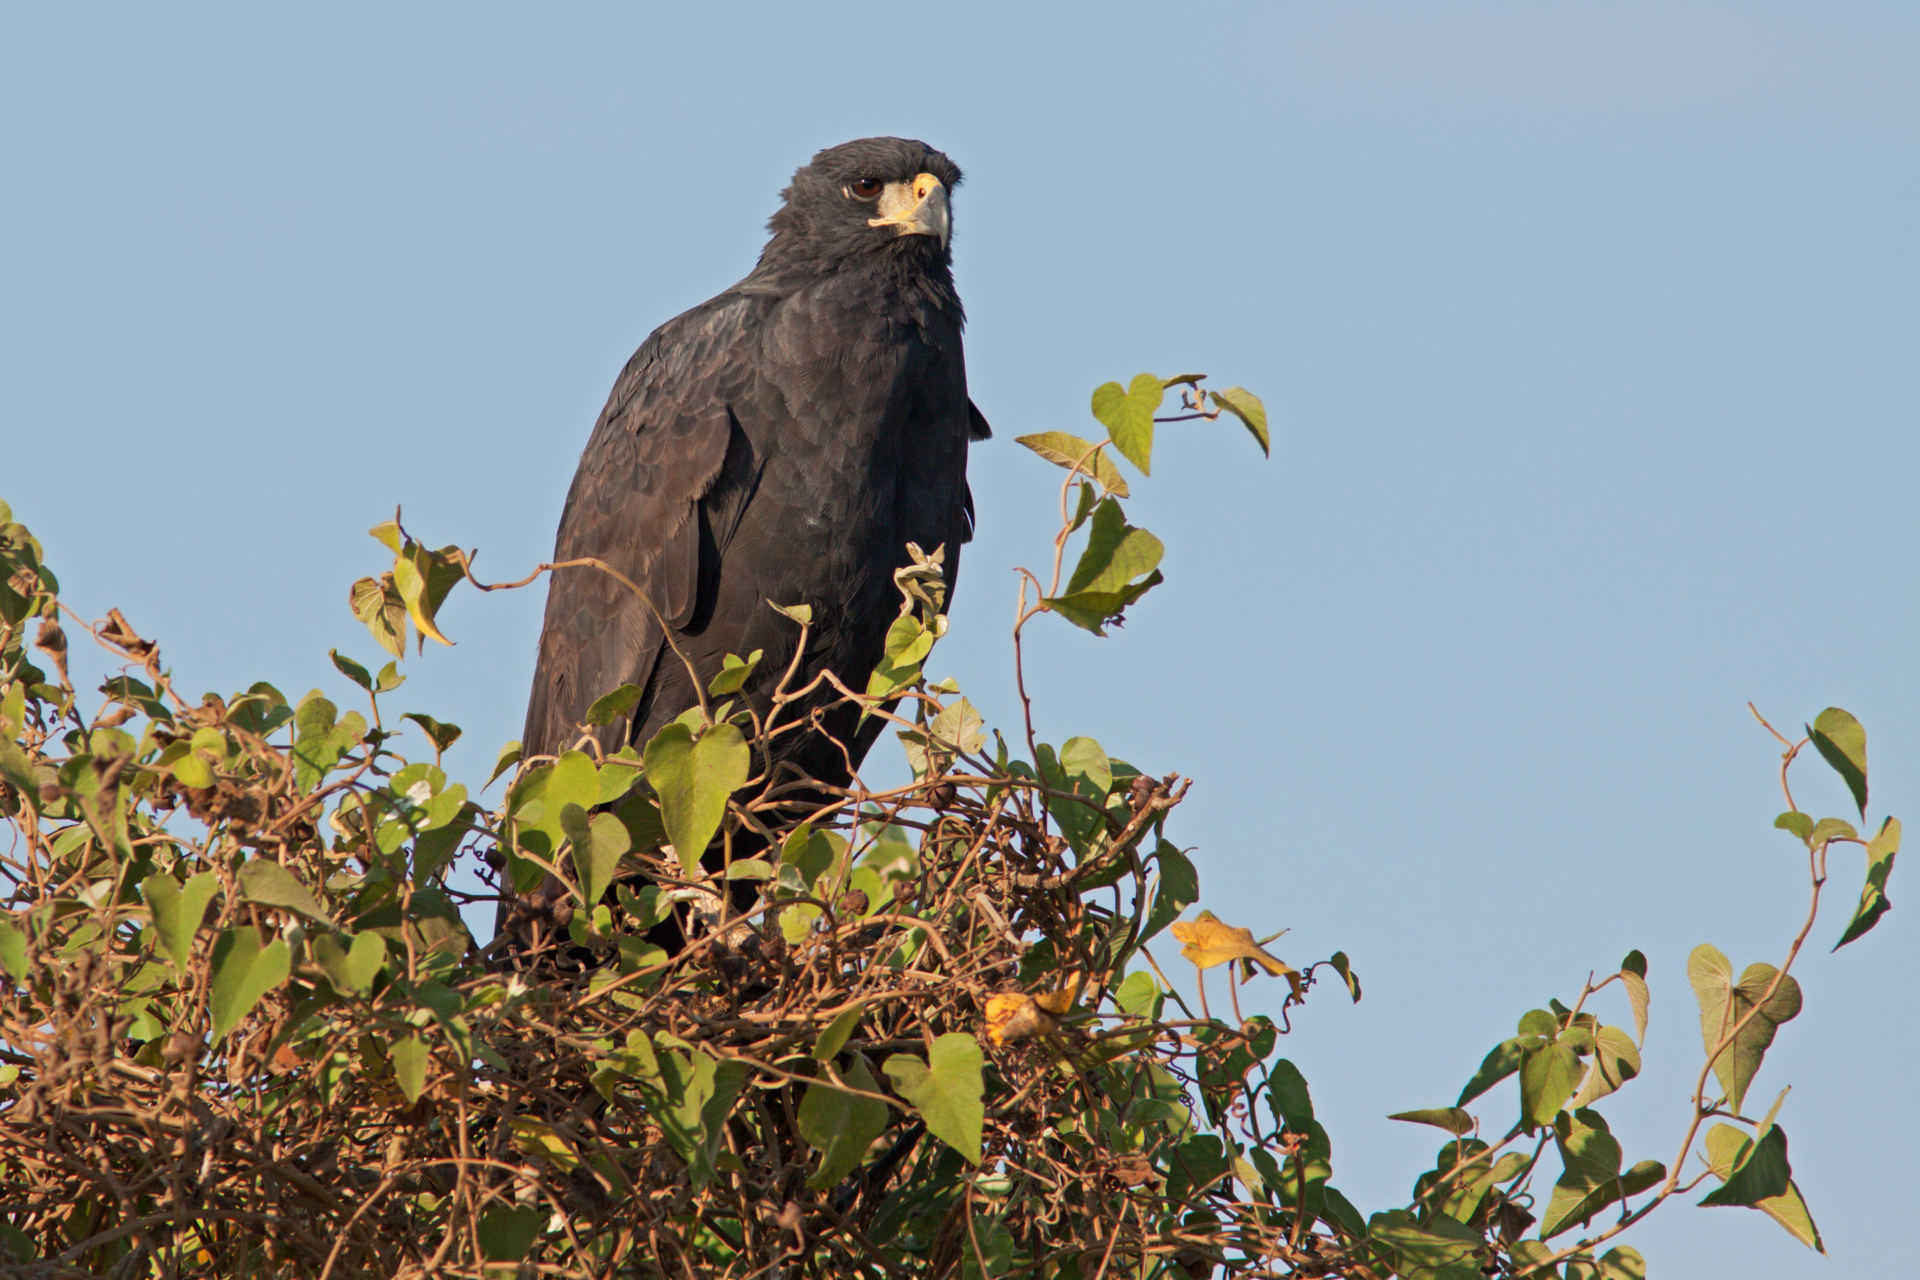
x=245 y=1031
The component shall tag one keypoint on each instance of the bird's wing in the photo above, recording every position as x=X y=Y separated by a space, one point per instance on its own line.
x=661 y=444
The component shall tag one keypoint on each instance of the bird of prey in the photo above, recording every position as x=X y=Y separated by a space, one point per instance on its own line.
x=782 y=442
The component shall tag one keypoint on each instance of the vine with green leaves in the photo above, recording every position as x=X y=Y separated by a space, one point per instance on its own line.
x=244 y=1030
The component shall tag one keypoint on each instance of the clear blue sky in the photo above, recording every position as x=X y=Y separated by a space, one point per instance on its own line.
x=1589 y=334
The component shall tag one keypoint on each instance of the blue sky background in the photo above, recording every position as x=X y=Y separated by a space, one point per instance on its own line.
x=1589 y=335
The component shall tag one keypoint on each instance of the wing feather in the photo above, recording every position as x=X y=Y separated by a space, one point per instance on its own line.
x=660 y=445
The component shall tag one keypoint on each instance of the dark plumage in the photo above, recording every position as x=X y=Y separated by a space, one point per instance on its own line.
x=781 y=442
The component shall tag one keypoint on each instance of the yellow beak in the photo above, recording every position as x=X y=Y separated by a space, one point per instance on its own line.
x=918 y=208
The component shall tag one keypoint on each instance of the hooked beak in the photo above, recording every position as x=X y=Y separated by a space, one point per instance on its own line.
x=918 y=208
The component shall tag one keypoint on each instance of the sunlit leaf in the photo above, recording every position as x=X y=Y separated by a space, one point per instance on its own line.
x=1246 y=406
x=1873 y=895
x=693 y=779
x=1127 y=414
x=608 y=707
x=947 y=1090
x=1842 y=742
x=1067 y=450
x=1760 y=1178
x=178 y=910
x=1723 y=1003
x=1590 y=1178
x=1452 y=1119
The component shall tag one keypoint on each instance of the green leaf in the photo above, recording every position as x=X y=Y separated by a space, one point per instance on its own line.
x=409 y=1055
x=834 y=1037
x=538 y=802
x=599 y=842
x=1176 y=888
x=508 y=757
x=178 y=910
x=243 y=971
x=1830 y=829
x=694 y=779
x=13 y=951
x=1452 y=1119
x=423 y=579
x=353 y=968
x=1723 y=1003
x=1246 y=406
x=383 y=612
x=1344 y=967
x=1083 y=505
x=1749 y=1173
x=1502 y=1062
x=1103 y=580
x=1873 y=895
x=1116 y=552
x=352 y=670
x=947 y=1090
x=840 y=1126
x=507 y=1234
x=1441 y=1250
x=320 y=740
x=272 y=885
x=541 y=1140
x=1843 y=743
x=1614 y=1061
x=1069 y=450
x=1549 y=1074
x=800 y=613
x=986 y=1251
x=694 y=1099
x=957 y=727
x=1081 y=769
x=733 y=673
x=1591 y=1179
x=1289 y=1096
x=1640 y=998
x=192 y=770
x=1622 y=1263
x=609 y=707
x=1759 y=1178
x=439 y=733
x=1128 y=416
x=1799 y=823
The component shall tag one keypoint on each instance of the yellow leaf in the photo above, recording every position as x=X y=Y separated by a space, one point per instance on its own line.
x=1015 y=1015
x=1212 y=941
x=1058 y=1002
x=538 y=1139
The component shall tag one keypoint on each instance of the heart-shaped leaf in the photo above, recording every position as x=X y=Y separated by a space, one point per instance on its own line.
x=693 y=778
x=841 y=1125
x=178 y=910
x=599 y=842
x=947 y=1090
x=1723 y=1003
x=1127 y=414
x=244 y=969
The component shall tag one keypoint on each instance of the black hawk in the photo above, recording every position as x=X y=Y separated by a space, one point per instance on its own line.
x=782 y=442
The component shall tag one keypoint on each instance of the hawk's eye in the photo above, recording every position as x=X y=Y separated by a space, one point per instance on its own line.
x=867 y=188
